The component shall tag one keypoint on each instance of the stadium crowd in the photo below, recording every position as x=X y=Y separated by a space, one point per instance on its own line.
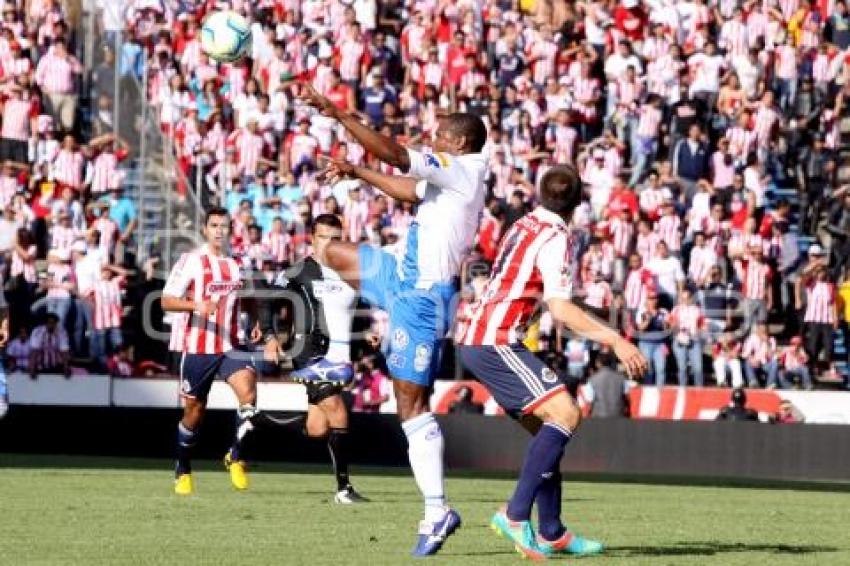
x=708 y=135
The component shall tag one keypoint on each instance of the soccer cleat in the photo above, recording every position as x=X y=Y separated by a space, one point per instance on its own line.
x=183 y=485
x=323 y=371
x=349 y=496
x=433 y=535
x=570 y=543
x=238 y=476
x=520 y=533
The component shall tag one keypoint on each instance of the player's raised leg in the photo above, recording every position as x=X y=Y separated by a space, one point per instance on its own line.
x=244 y=385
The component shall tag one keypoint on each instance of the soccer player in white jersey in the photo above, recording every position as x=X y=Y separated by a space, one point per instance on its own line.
x=536 y=261
x=205 y=284
x=418 y=290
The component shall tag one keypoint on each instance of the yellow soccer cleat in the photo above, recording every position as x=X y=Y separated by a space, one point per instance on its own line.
x=183 y=485
x=238 y=475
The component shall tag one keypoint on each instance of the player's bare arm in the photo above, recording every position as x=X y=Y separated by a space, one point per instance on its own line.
x=395 y=186
x=176 y=304
x=384 y=148
x=588 y=326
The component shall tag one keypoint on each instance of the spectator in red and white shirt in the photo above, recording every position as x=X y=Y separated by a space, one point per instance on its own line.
x=703 y=257
x=760 y=356
x=793 y=362
x=821 y=316
x=18 y=124
x=50 y=351
x=69 y=164
x=106 y=314
x=755 y=276
x=639 y=283
x=302 y=149
x=56 y=74
x=687 y=323
x=726 y=353
x=597 y=293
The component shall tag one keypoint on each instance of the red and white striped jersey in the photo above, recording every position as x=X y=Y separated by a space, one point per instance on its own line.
x=650 y=201
x=24 y=268
x=788 y=8
x=655 y=47
x=669 y=228
x=820 y=302
x=793 y=357
x=820 y=68
x=741 y=141
x=50 y=345
x=649 y=121
x=759 y=349
x=108 y=233
x=536 y=260
x=638 y=284
x=702 y=260
x=107 y=303
x=765 y=119
x=62 y=237
x=55 y=75
x=597 y=294
x=810 y=34
x=59 y=274
x=786 y=62
x=279 y=246
x=249 y=148
x=351 y=54
x=68 y=168
x=201 y=276
x=628 y=94
x=755 y=279
x=302 y=146
x=688 y=318
x=647 y=245
x=543 y=53
x=734 y=38
x=16 y=119
x=103 y=169
x=8 y=189
x=623 y=232
x=563 y=139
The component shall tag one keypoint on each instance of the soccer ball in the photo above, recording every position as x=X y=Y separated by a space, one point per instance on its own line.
x=225 y=36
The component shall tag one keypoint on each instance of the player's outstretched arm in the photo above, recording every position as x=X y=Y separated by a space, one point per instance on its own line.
x=384 y=148
x=588 y=326
x=395 y=186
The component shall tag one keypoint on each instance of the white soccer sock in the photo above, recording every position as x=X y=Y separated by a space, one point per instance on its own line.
x=425 y=451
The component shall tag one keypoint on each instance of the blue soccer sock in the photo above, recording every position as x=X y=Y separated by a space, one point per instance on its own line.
x=186 y=439
x=544 y=453
x=548 y=502
x=244 y=414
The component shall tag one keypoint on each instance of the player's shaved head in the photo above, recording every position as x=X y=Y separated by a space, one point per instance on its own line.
x=469 y=126
x=560 y=189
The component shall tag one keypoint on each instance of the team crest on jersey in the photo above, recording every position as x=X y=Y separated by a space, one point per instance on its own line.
x=549 y=376
x=400 y=339
x=436 y=160
x=422 y=358
x=223 y=287
x=396 y=361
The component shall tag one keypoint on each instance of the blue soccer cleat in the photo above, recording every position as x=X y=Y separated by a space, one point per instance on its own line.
x=323 y=371
x=433 y=535
x=570 y=543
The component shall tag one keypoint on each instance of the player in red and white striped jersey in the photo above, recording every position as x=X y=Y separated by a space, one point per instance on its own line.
x=536 y=262
x=206 y=284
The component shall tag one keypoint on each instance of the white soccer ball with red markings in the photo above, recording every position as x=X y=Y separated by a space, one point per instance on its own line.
x=226 y=36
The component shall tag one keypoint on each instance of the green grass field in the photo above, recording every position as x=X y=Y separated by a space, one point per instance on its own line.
x=56 y=510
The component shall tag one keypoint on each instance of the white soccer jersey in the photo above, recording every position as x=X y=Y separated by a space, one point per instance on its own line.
x=451 y=193
x=338 y=300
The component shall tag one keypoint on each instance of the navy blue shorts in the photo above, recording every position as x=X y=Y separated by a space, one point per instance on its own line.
x=197 y=371
x=518 y=380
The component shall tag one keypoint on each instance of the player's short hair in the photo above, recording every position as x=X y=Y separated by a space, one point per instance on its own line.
x=560 y=189
x=331 y=220
x=469 y=125
x=214 y=211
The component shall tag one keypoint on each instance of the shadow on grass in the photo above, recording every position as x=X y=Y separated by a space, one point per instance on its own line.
x=712 y=548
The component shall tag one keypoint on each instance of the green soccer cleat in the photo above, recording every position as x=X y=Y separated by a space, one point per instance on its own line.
x=520 y=533
x=570 y=543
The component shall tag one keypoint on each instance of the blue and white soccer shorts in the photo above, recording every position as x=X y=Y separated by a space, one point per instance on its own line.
x=198 y=371
x=518 y=380
x=419 y=318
